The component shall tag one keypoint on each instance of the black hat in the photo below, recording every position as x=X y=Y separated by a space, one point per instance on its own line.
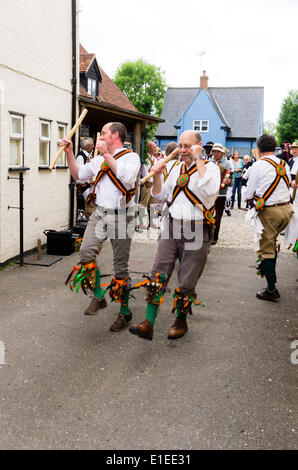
x=208 y=145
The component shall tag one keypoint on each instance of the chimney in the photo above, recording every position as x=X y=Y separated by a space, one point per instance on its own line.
x=204 y=81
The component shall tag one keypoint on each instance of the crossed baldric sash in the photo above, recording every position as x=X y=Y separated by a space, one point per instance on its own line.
x=106 y=170
x=182 y=185
x=166 y=173
x=280 y=169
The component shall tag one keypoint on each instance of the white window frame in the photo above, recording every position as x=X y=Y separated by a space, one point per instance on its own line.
x=199 y=124
x=62 y=159
x=18 y=137
x=91 y=87
x=45 y=139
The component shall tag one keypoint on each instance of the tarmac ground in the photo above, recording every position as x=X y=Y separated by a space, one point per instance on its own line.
x=229 y=383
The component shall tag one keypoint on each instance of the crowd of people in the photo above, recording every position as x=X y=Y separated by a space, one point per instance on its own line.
x=191 y=192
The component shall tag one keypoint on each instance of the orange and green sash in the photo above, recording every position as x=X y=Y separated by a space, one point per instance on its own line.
x=166 y=174
x=106 y=170
x=280 y=174
x=182 y=185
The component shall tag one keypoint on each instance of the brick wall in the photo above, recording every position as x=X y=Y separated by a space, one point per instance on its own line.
x=35 y=80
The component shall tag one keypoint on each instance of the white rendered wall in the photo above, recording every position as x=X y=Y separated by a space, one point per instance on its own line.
x=35 y=80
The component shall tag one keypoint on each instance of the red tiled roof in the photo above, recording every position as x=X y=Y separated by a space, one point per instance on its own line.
x=108 y=90
x=85 y=61
x=85 y=93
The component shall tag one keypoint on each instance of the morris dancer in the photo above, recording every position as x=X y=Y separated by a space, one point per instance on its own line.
x=146 y=198
x=291 y=232
x=116 y=170
x=268 y=185
x=190 y=190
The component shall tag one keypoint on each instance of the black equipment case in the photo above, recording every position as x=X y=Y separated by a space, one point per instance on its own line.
x=59 y=242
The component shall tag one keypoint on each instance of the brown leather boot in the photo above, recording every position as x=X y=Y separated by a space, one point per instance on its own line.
x=178 y=329
x=265 y=294
x=121 y=322
x=143 y=330
x=95 y=305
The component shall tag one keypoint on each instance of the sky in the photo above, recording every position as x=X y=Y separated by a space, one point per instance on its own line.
x=245 y=42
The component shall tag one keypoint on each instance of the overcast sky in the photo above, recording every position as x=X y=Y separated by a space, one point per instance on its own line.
x=246 y=42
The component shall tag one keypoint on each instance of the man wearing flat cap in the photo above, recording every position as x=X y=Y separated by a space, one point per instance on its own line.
x=218 y=157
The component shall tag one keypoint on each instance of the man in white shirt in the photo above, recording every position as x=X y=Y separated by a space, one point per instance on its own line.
x=116 y=170
x=146 y=198
x=268 y=185
x=190 y=191
x=84 y=189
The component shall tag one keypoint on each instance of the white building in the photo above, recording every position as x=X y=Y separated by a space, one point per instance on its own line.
x=35 y=112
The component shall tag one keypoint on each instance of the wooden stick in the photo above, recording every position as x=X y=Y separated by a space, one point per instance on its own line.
x=77 y=124
x=96 y=149
x=165 y=160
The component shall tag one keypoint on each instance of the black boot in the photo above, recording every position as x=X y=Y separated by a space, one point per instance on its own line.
x=267 y=268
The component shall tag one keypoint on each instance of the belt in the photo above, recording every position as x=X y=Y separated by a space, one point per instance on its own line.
x=188 y=221
x=279 y=204
x=114 y=211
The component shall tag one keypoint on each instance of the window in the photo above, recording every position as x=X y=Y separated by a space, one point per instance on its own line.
x=16 y=144
x=92 y=87
x=44 y=143
x=201 y=126
x=61 y=134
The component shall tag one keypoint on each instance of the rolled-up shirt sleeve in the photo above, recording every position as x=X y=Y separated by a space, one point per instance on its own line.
x=164 y=194
x=128 y=168
x=252 y=182
x=87 y=171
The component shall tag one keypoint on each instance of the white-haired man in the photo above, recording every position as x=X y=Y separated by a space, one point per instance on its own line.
x=190 y=192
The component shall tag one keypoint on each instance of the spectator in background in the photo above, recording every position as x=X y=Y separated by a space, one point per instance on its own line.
x=218 y=152
x=208 y=150
x=285 y=154
x=237 y=175
x=294 y=155
x=84 y=188
x=245 y=174
x=230 y=187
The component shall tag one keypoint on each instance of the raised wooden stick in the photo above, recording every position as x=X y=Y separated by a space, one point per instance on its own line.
x=61 y=149
x=96 y=149
x=165 y=160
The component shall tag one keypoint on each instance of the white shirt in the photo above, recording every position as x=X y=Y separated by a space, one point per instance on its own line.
x=80 y=159
x=294 y=168
x=206 y=189
x=261 y=176
x=107 y=193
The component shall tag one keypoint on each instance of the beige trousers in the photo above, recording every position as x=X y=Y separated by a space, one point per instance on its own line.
x=274 y=220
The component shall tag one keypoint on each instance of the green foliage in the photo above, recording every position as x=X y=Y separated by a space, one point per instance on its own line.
x=143 y=84
x=270 y=128
x=287 y=126
x=7 y=265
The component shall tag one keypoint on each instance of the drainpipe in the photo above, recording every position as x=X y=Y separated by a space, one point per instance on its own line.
x=74 y=101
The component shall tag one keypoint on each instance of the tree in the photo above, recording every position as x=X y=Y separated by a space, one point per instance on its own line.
x=145 y=86
x=287 y=126
x=270 y=128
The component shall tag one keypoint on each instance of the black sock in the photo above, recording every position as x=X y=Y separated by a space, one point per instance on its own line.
x=268 y=269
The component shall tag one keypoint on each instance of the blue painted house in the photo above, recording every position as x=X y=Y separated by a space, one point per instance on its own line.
x=232 y=116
